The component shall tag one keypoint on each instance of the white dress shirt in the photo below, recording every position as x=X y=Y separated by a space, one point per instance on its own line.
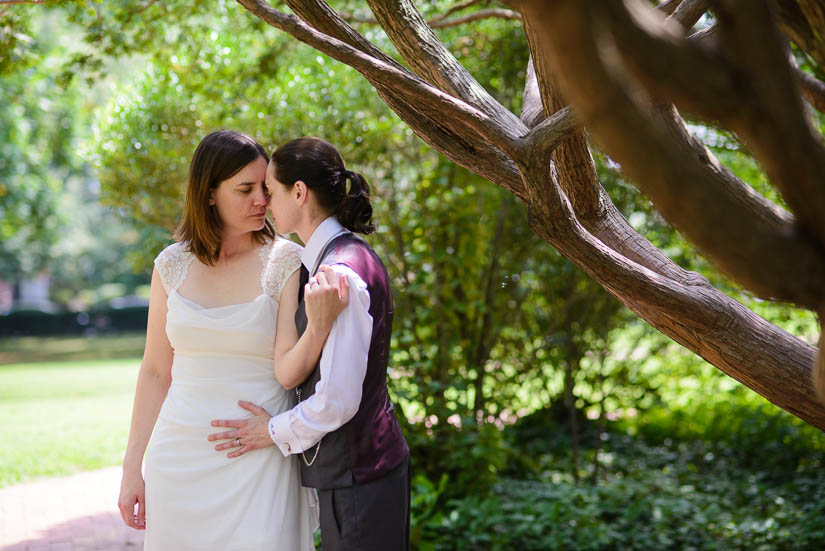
x=343 y=359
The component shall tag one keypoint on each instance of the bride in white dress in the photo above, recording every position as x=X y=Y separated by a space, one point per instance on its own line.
x=220 y=327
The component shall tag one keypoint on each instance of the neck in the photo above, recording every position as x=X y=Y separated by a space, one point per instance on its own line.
x=308 y=227
x=235 y=243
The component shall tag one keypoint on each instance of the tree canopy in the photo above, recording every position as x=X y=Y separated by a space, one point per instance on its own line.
x=493 y=98
x=607 y=59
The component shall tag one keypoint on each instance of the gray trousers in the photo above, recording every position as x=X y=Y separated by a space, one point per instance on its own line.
x=374 y=516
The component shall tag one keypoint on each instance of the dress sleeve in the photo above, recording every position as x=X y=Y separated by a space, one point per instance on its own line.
x=284 y=260
x=173 y=264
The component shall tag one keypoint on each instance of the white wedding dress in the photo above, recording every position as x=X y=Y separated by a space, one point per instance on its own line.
x=196 y=497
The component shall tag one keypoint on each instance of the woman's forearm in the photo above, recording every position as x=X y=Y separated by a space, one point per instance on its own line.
x=295 y=365
x=152 y=387
x=324 y=301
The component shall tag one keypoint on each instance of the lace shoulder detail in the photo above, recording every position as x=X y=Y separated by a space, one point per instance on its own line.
x=283 y=259
x=173 y=265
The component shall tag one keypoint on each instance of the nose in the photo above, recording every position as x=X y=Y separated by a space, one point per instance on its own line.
x=261 y=197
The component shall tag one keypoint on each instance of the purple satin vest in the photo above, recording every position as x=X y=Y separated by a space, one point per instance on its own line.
x=370 y=444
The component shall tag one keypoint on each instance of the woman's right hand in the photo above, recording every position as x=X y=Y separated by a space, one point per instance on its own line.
x=325 y=296
x=132 y=492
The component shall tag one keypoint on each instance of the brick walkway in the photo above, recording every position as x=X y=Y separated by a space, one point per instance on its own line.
x=75 y=513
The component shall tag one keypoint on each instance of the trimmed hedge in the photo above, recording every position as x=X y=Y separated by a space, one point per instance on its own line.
x=38 y=323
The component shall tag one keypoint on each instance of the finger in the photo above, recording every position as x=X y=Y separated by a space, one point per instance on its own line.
x=333 y=280
x=127 y=512
x=254 y=408
x=223 y=435
x=129 y=518
x=141 y=516
x=240 y=452
x=330 y=273
x=327 y=270
x=343 y=289
x=122 y=510
x=231 y=445
x=235 y=423
x=321 y=278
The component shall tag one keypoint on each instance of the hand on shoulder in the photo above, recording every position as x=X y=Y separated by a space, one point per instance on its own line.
x=325 y=295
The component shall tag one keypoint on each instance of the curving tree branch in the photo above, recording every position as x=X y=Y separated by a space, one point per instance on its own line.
x=544 y=158
x=731 y=223
x=802 y=22
x=688 y=12
x=430 y=59
x=812 y=89
x=468 y=149
x=442 y=22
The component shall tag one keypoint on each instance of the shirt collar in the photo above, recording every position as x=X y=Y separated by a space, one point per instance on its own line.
x=320 y=238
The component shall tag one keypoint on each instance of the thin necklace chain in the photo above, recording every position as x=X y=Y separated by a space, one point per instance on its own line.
x=317 y=447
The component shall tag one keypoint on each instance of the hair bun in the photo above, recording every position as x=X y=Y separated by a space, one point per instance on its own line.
x=339 y=191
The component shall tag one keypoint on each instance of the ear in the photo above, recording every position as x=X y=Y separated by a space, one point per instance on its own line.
x=211 y=198
x=300 y=192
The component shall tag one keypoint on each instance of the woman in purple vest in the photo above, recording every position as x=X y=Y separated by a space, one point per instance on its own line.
x=343 y=426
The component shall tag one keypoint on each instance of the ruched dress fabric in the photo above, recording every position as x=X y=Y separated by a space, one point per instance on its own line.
x=196 y=497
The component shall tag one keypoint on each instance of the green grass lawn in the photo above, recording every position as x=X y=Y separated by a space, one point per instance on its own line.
x=63 y=417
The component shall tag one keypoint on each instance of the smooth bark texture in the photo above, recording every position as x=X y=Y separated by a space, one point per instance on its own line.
x=622 y=67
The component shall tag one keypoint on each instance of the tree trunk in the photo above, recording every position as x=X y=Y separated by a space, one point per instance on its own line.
x=571 y=366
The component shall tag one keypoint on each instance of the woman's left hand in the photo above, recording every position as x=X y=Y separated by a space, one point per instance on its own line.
x=325 y=296
x=249 y=434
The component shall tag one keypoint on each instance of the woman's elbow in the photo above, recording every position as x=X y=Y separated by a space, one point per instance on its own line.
x=285 y=381
x=155 y=374
x=288 y=384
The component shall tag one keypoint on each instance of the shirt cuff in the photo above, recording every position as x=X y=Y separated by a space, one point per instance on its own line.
x=281 y=433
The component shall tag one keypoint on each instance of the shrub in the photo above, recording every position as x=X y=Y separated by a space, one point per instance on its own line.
x=39 y=323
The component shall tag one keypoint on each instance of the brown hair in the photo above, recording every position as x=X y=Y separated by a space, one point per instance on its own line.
x=343 y=193
x=219 y=156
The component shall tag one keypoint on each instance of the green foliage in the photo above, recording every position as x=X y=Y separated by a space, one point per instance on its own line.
x=753 y=434
x=477 y=288
x=49 y=216
x=647 y=513
x=735 y=492
x=16 y=51
x=37 y=322
x=492 y=325
x=465 y=460
x=426 y=506
x=36 y=131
